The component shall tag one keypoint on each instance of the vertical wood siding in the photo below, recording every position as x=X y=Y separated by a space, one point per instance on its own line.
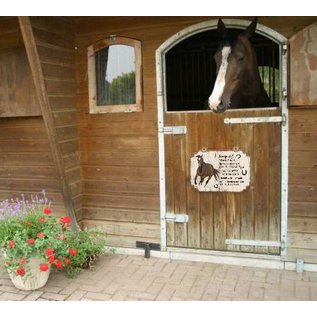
x=302 y=221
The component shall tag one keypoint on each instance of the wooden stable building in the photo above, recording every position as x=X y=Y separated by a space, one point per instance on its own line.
x=124 y=165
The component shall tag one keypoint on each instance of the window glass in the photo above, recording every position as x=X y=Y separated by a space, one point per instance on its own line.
x=115 y=75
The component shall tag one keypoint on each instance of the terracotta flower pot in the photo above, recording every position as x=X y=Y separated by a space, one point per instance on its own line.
x=34 y=277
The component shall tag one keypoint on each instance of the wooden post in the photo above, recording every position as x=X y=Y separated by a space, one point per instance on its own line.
x=43 y=99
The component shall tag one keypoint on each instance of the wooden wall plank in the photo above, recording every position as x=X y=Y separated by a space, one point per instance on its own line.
x=126 y=228
x=119 y=201
x=302 y=209
x=179 y=181
x=308 y=255
x=122 y=215
x=10 y=33
x=18 y=98
x=120 y=172
x=193 y=209
x=204 y=200
x=121 y=186
x=247 y=196
x=302 y=225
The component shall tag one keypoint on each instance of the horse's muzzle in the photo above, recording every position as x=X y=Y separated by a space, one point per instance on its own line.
x=220 y=108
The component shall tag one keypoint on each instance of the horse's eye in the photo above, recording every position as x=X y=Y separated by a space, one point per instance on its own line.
x=240 y=58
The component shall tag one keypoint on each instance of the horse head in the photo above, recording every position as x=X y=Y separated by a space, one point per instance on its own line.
x=200 y=160
x=238 y=83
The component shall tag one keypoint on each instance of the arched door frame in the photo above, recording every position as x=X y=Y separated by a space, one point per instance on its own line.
x=161 y=107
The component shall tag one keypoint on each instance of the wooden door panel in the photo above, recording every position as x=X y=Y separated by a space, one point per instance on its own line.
x=253 y=214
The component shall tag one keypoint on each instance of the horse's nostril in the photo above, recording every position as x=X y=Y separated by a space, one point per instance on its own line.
x=221 y=108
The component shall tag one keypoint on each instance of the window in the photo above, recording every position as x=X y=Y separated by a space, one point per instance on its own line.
x=114 y=75
x=191 y=70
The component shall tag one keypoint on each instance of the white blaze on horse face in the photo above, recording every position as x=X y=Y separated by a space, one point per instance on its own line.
x=214 y=99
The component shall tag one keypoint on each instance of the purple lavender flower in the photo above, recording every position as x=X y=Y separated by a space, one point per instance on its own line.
x=17 y=206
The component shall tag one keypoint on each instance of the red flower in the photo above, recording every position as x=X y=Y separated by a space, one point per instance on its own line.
x=20 y=271
x=30 y=241
x=47 y=211
x=58 y=237
x=11 y=244
x=67 y=261
x=44 y=267
x=42 y=220
x=51 y=259
x=72 y=251
x=58 y=264
x=49 y=251
x=40 y=235
x=22 y=261
x=65 y=220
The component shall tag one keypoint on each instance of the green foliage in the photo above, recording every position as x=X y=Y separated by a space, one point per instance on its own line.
x=121 y=91
x=90 y=244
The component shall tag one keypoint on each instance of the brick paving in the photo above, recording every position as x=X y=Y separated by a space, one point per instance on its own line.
x=134 y=278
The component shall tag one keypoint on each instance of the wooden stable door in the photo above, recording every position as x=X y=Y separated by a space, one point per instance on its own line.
x=214 y=217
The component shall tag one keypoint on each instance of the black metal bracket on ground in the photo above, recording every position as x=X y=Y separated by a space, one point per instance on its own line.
x=147 y=246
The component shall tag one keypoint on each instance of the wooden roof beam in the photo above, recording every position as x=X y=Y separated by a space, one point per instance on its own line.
x=41 y=92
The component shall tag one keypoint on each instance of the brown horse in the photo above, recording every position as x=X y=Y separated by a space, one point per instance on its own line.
x=238 y=83
x=205 y=170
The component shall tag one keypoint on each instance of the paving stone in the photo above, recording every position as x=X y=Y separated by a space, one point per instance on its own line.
x=90 y=288
x=8 y=288
x=52 y=289
x=165 y=294
x=34 y=295
x=53 y=296
x=69 y=289
x=119 y=295
x=97 y=296
x=155 y=288
x=5 y=281
x=76 y=295
x=144 y=295
x=112 y=288
x=302 y=292
x=11 y=296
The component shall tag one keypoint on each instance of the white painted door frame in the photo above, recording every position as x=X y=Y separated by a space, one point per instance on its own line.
x=161 y=107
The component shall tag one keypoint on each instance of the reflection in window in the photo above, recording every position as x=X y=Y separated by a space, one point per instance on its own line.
x=115 y=75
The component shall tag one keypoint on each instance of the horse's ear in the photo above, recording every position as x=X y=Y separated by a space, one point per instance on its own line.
x=222 y=29
x=250 y=30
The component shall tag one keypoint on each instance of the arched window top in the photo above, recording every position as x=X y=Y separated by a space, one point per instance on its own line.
x=186 y=70
x=212 y=24
x=114 y=75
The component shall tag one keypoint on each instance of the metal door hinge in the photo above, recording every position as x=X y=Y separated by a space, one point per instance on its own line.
x=284 y=49
x=173 y=130
x=182 y=218
x=284 y=94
